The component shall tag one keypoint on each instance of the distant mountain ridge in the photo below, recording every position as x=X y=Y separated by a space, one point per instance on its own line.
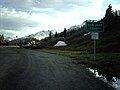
x=75 y=27
x=41 y=35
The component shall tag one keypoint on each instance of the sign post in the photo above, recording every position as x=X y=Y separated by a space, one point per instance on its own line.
x=94 y=36
x=94 y=28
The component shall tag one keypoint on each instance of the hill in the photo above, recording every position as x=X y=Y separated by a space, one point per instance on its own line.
x=79 y=39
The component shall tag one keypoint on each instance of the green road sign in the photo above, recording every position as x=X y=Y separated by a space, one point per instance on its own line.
x=95 y=26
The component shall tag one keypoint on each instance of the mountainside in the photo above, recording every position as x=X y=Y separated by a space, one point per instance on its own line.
x=41 y=35
x=33 y=37
x=75 y=27
x=77 y=38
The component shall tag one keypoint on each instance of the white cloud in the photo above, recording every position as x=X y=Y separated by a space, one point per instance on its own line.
x=30 y=16
x=10 y=33
x=24 y=4
x=11 y=19
x=117 y=7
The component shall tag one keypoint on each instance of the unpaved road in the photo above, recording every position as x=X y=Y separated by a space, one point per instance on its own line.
x=23 y=69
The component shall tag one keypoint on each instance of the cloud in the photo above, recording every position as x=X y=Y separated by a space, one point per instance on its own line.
x=27 y=5
x=10 y=33
x=30 y=16
x=13 y=20
x=115 y=4
x=24 y=5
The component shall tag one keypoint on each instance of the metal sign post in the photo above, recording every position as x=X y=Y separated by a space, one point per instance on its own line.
x=94 y=27
x=95 y=36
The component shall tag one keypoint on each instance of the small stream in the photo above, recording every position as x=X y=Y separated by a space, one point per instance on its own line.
x=111 y=81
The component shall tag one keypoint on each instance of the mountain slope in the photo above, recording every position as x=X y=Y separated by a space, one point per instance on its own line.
x=38 y=36
x=41 y=35
x=78 y=39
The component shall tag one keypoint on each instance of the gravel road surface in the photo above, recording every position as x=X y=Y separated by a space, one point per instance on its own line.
x=24 y=69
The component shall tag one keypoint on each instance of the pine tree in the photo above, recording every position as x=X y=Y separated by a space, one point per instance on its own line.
x=65 y=32
x=116 y=13
x=2 y=39
x=56 y=34
x=50 y=35
x=109 y=16
x=111 y=19
x=109 y=11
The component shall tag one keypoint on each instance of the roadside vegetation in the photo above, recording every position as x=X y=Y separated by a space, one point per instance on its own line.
x=106 y=63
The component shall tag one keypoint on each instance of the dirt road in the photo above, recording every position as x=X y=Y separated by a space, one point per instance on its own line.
x=23 y=69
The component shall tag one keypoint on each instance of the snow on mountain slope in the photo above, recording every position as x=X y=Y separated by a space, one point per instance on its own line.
x=75 y=27
x=41 y=35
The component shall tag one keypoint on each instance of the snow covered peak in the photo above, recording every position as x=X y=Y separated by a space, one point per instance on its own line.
x=75 y=27
x=42 y=34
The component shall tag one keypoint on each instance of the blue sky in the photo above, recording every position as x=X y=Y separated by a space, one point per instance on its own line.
x=24 y=17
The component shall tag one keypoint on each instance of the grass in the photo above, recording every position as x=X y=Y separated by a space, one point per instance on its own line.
x=63 y=52
x=107 y=63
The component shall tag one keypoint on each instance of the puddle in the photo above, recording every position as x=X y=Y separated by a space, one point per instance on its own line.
x=111 y=81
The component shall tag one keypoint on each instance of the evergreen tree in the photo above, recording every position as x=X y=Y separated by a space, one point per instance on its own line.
x=2 y=39
x=50 y=35
x=109 y=16
x=116 y=13
x=109 y=11
x=111 y=19
x=56 y=34
x=64 y=32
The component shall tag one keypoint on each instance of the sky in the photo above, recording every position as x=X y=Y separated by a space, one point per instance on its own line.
x=24 y=17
